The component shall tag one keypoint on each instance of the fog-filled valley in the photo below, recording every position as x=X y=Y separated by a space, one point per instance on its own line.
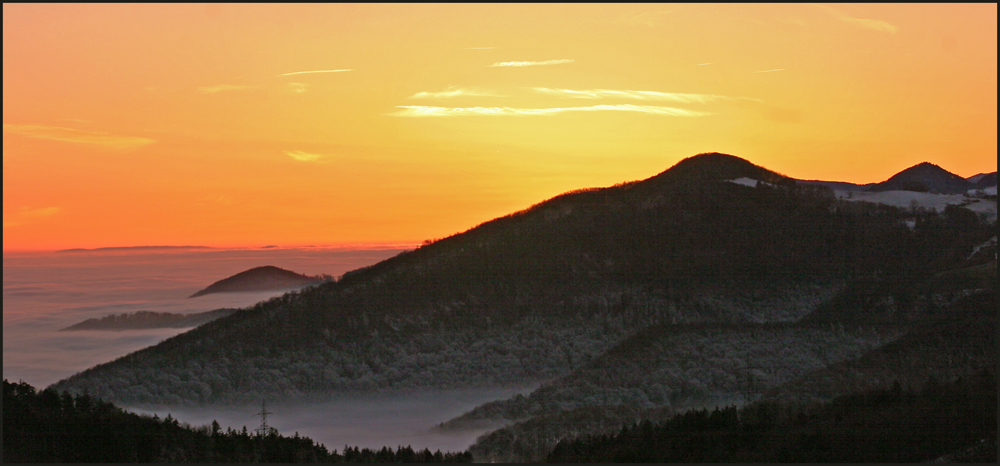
x=714 y=283
x=373 y=421
x=44 y=292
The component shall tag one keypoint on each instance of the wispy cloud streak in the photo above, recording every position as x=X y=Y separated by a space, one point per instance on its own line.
x=222 y=88
x=873 y=24
x=638 y=95
x=57 y=133
x=26 y=214
x=530 y=63
x=454 y=92
x=302 y=156
x=422 y=111
x=315 y=71
x=296 y=88
x=770 y=71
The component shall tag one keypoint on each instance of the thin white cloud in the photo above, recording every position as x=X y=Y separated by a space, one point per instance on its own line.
x=530 y=63
x=314 y=71
x=455 y=92
x=222 y=88
x=423 y=111
x=638 y=95
x=872 y=24
x=58 y=133
x=703 y=64
x=302 y=156
x=770 y=71
x=295 y=88
x=26 y=214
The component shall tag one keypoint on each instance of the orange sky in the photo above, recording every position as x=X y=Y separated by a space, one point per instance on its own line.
x=131 y=125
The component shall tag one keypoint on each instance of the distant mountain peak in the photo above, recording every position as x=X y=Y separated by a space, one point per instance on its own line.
x=714 y=160
x=925 y=177
x=716 y=166
x=983 y=180
x=263 y=278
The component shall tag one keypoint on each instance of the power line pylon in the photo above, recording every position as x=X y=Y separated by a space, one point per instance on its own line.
x=264 y=429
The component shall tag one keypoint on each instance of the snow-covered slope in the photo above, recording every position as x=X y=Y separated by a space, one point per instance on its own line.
x=938 y=202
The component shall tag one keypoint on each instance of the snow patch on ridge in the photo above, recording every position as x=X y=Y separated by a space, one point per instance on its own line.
x=747 y=182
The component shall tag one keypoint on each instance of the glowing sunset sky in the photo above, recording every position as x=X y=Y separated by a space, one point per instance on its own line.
x=246 y=125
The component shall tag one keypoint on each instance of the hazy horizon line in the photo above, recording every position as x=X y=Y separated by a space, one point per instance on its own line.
x=169 y=248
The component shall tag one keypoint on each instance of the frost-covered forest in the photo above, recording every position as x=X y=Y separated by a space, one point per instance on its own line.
x=682 y=366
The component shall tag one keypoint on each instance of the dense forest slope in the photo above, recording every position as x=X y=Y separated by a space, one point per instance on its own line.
x=689 y=365
x=950 y=421
x=939 y=322
x=536 y=294
x=263 y=278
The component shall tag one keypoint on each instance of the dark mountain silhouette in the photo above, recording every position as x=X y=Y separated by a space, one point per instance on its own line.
x=984 y=180
x=148 y=319
x=263 y=278
x=925 y=177
x=536 y=294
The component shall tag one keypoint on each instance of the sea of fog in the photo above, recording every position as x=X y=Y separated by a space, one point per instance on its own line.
x=45 y=292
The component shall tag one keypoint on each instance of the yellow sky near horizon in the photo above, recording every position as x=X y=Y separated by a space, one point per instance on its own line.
x=254 y=124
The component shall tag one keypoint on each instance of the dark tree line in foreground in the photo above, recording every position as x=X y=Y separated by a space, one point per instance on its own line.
x=50 y=426
x=894 y=424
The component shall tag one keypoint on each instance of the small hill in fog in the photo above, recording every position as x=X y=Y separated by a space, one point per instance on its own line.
x=263 y=278
x=149 y=319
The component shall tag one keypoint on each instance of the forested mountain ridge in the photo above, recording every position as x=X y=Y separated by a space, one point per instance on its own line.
x=532 y=295
x=933 y=316
x=942 y=326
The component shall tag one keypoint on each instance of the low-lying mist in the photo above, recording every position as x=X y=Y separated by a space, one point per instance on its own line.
x=380 y=420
